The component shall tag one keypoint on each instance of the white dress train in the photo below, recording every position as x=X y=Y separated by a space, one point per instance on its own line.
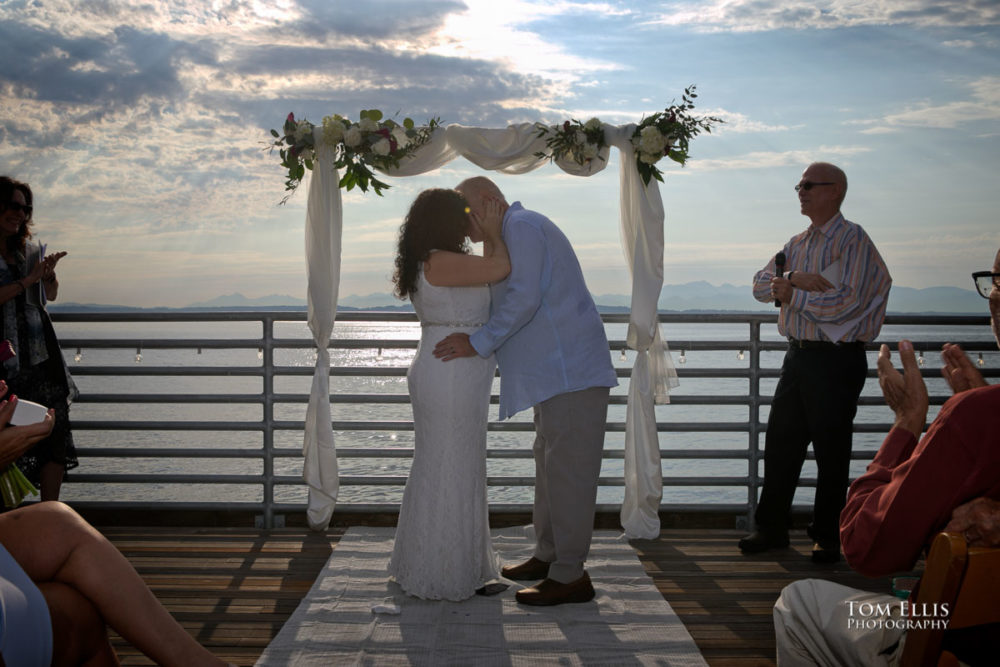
x=443 y=549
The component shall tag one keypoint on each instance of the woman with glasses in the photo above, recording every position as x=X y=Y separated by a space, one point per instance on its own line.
x=37 y=371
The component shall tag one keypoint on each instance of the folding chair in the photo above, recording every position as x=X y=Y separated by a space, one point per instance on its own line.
x=968 y=580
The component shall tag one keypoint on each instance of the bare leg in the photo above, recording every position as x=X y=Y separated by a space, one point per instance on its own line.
x=82 y=636
x=53 y=543
x=51 y=480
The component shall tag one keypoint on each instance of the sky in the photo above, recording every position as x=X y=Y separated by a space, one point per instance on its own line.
x=143 y=127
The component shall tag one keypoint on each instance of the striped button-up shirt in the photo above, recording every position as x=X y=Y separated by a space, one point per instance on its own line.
x=860 y=280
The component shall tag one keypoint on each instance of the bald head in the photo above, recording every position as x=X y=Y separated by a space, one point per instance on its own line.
x=834 y=174
x=477 y=191
x=479 y=188
x=821 y=191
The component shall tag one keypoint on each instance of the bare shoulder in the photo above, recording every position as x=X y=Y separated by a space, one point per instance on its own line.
x=441 y=265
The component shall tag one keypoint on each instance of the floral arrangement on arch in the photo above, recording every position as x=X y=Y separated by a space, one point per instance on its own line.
x=358 y=147
x=668 y=133
x=582 y=142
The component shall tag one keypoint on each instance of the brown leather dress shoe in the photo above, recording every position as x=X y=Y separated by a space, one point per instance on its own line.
x=530 y=570
x=551 y=592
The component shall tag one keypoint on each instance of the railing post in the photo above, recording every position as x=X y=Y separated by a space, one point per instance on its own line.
x=754 y=434
x=268 y=405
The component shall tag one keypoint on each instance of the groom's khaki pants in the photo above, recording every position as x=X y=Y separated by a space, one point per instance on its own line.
x=569 y=445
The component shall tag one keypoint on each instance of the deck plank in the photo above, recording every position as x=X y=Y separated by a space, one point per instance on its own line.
x=233 y=588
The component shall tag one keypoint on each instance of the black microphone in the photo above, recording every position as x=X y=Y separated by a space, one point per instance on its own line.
x=779 y=266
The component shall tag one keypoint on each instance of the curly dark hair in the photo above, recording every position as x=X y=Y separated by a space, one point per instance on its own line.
x=438 y=219
x=8 y=186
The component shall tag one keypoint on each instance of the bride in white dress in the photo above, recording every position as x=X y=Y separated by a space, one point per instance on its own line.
x=443 y=549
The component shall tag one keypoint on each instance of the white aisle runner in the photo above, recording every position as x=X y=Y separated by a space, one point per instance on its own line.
x=628 y=623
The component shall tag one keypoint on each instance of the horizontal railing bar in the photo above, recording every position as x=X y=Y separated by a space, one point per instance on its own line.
x=173 y=453
x=137 y=425
x=140 y=369
x=371 y=480
x=403 y=399
x=370 y=453
x=676 y=345
x=388 y=399
x=734 y=317
x=612 y=427
x=162 y=343
x=154 y=506
x=402 y=453
x=91 y=397
x=170 y=478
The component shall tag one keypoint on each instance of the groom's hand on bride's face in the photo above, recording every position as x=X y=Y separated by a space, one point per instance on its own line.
x=454 y=346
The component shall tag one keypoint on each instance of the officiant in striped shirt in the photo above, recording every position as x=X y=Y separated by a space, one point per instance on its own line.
x=833 y=300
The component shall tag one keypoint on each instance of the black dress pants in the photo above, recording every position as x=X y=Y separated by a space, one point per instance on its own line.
x=815 y=401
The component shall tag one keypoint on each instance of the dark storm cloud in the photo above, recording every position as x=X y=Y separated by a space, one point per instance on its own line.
x=117 y=69
x=371 y=20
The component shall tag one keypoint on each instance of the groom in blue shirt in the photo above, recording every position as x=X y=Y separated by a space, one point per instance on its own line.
x=553 y=356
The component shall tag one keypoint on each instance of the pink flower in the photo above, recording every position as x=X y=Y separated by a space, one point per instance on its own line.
x=291 y=117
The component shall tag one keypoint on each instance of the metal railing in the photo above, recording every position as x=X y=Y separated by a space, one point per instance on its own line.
x=270 y=511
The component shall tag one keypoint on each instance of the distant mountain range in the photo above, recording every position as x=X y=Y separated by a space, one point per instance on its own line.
x=697 y=296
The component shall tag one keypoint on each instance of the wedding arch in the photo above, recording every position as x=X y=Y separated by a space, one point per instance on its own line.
x=579 y=149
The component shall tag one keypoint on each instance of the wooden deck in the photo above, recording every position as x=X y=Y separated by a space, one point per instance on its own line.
x=233 y=588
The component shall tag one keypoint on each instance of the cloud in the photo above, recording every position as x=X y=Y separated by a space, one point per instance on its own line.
x=769 y=159
x=766 y=15
x=372 y=20
x=738 y=123
x=983 y=105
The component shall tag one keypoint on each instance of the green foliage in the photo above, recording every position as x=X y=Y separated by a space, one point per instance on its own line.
x=669 y=133
x=358 y=148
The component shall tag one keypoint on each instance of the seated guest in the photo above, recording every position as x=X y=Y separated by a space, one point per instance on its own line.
x=914 y=488
x=61 y=581
x=85 y=583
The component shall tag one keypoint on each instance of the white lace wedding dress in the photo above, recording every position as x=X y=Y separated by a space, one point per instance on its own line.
x=443 y=549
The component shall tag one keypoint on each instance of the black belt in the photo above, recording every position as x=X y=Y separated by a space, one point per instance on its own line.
x=824 y=344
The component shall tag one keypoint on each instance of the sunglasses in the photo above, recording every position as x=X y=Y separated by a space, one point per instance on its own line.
x=17 y=206
x=809 y=185
x=985 y=282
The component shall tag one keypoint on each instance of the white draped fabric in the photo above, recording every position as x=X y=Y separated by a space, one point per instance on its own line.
x=510 y=151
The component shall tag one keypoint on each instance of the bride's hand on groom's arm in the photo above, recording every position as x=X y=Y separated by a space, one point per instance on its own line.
x=454 y=346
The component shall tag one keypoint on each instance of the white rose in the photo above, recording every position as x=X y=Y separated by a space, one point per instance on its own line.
x=589 y=151
x=650 y=158
x=651 y=140
x=302 y=128
x=592 y=124
x=399 y=134
x=333 y=130
x=381 y=147
x=352 y=137
x=579 y=137
x=367 y=125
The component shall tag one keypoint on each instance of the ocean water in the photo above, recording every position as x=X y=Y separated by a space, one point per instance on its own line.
x=290 y=441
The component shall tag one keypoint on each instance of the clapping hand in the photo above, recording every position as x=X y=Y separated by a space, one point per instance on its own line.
x=904 y=392
x=958 y=370
x=49 y=265
x=45 y=270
